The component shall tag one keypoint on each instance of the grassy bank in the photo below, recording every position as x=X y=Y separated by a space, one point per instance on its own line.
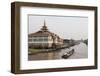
x=34 y=50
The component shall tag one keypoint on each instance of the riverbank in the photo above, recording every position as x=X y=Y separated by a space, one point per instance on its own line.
x=81 y=51
x=35 y=51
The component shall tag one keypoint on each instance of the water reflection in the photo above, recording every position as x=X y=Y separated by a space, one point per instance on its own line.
x=81 y=51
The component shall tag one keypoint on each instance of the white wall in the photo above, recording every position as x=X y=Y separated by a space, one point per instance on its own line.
x=5 y=42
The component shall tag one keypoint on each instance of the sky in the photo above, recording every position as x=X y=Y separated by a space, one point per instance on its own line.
x=66 y=27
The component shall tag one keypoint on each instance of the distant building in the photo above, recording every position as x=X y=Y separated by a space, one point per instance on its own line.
x=66 y=41
x=44 y=39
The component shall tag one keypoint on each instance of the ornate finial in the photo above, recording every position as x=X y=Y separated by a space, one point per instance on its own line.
x=44 y=23
x=44 y=28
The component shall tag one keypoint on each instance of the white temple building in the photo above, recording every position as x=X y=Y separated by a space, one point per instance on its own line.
x=44 y=39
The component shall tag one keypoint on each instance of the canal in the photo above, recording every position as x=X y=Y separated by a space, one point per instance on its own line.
x=81 y=51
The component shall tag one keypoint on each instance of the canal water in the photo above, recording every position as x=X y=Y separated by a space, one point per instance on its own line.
x=81 y=51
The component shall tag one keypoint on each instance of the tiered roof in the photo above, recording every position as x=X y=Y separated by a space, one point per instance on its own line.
x=44 y=32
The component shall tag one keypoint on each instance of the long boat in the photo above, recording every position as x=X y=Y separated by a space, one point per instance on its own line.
x=68 y=54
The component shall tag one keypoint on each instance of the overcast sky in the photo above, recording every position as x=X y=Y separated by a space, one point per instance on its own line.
x=66 y=27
